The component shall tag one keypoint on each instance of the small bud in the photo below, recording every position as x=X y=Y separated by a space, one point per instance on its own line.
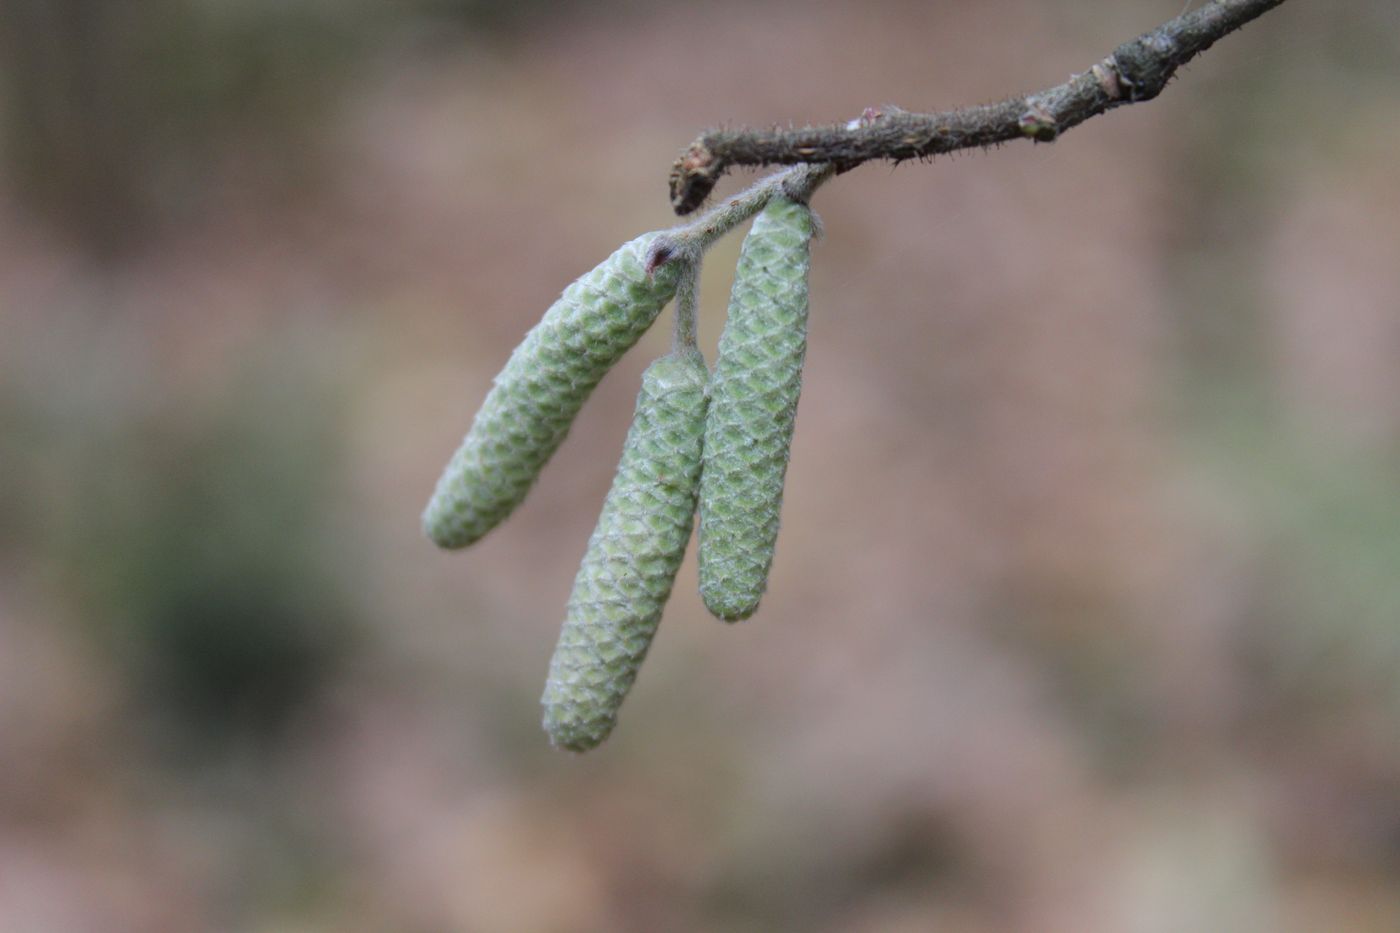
x=1038 y=123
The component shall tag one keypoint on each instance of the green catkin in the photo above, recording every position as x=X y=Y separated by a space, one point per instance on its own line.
x=633 y=556
x=535 y=397
x=753 y=403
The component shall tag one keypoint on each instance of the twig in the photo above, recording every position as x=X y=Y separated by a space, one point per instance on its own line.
x=1136 y=71
x=687 y=243
x=685 y=335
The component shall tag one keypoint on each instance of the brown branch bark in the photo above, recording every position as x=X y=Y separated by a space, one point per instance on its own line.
x=1137 y=70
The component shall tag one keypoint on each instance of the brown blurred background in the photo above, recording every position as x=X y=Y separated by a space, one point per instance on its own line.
x=1086 y=611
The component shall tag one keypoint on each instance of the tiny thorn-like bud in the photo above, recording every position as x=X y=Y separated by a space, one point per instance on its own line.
x=1037 y=123
x=632 y=558
x=661 y=251
x=535 y=397
x=753 y=406
x=1106 y=74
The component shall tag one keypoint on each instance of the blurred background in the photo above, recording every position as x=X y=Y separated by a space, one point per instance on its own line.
x=1086 y=611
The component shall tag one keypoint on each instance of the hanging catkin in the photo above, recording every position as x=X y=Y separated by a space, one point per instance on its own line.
x=535 y=398
x=753 y=403
x=633 y=556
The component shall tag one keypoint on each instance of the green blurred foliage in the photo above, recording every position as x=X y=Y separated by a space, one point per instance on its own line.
x=200 y=543
x=1323 y=626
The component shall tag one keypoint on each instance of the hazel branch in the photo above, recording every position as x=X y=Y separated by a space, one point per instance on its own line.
x=1137 y=70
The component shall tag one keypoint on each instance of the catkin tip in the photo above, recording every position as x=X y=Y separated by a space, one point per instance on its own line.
x=568 y=733
x=443 y=537
x=575 y=745
x=724 y=607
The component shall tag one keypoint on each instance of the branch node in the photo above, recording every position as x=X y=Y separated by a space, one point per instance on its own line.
x=1106 y=74
x=1146 y=64
x=693 y=176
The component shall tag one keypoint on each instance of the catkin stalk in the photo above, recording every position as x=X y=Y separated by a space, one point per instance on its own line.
x=632 y=557
x=535 y=397
x=753 y=404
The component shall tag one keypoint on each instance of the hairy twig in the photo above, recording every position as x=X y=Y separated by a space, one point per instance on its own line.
x=687 y=243
x=1137 y=70
x=686 y=333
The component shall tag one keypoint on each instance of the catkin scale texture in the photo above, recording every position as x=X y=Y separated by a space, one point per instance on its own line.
x=535 y=397
x=753 y=405
x=632 y=558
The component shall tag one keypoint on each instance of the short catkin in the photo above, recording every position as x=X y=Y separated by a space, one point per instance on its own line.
x=753 y=404
x=535 y=397
x=632 y=558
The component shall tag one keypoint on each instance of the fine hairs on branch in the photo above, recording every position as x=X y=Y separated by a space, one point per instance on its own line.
x=719 y=443
x=1137 y=70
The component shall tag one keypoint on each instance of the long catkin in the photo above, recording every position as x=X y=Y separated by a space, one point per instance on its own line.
x=535 y=397
x=632 y=557
x=753 y=404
